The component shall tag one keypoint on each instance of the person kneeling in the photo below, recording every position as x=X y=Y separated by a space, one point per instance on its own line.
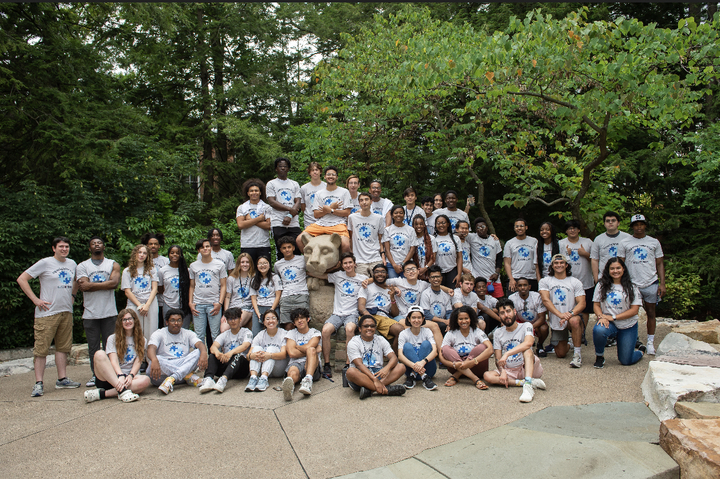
x=228 y=354
x=302 y=347
x=513 y=344
x=366 y=353
x=117 y=375
x=417 y=350
x=169 y=352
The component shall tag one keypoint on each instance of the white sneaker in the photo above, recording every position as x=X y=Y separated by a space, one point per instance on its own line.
x=288 y=388
x=576 y=361
x=92 y=395
x=570 y=343
x=262 y=384
x=538 y=383
x=651 y=349
x=252 y=384
x=306 y=386
x=167 y=385
x=207 y=385
x=128 y=396
x=220 y=384
x=528 y=393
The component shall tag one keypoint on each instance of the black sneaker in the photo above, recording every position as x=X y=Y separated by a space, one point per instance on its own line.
x=599 y=362
x=610 y=342
x=327 y=370
x=429 y=384
x=541 y=353
x=366 y=393
x=395 y=390
x=639 y=345
x=549 y=349
x=641 y=348
x=409 y=383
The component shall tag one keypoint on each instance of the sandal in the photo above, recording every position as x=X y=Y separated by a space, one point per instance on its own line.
x=451 y=382
x=481 y=385
x=128 y=396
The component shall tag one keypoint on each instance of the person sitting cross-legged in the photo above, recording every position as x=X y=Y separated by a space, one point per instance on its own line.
x=513 y=344
x=228 y=354
x=417 y=350
x=465 y=348
x=366 y=352
x=303 y=344
x=117 y=375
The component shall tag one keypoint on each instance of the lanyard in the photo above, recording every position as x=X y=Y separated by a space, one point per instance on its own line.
x=408 y=218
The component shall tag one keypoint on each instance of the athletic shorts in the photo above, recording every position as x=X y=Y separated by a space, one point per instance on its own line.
x=301 y=368
x=649 y=294
x=559 y=335
x=340 y=321
x=317 y=230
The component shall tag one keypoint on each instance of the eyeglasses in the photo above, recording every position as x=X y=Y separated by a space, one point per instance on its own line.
x=410 y=270
x=179 y=320
x=368 y=326
x=128 y=320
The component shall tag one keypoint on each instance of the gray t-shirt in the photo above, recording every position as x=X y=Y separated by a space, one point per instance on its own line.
x=505 y=340
x=371 y=353
x=173 y=345
x=466 y=252
x=347 y=290
x=464 y=344
x=435 y=303
x=98 y=304
x=483 y=252
x=454 y=216
x=207 y=278
x=293 y=277
x=266 y=291
x=376 y=297
x=470 y=300
x=169 y=279
x=381 y=207
x=366 y=237
x=547 y=258
x=56 y=283
x=640 y=255
x=562 y=294
x=254 y=236
x=421 y=249
x=229 y=341
x=412 y=213
x=326 y=198
x=581 y=268
x=307 y=198
x=446 y=256
x=284 y=192
x=301 y=340
x=401 y=239
x=488 y=301
x=224 y=256
x=125 y=358
x=159 y=263
x=522 y=256
x=617 y=302
x=239 y=292
x=355 y=203
x=606 y=247
x=407 y=336
x=529 y=308
x=410 y=294
x=140 y=285
x=263 y=340
x=430 y=223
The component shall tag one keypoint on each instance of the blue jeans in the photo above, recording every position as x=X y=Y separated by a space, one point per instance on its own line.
x=256 y=324
x=626 y=339
x=391 y=271
x=415 y=356
x=205 y=317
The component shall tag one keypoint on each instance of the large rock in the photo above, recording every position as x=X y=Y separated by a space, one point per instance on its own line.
x=79 y=354
x=694 y=444
x=667 y=383
x=708 y=331
x=677 y=344
x=25 y=365
x=321 y=304
x=697 y=410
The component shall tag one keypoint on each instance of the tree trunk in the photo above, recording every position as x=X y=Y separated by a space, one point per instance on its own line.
x=480 y=200
x=206 y=166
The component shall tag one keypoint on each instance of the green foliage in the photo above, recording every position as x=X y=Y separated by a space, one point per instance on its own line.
x=683 y=294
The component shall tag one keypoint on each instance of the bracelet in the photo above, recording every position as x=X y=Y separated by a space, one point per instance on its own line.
x=123 y=375
x=131 y=374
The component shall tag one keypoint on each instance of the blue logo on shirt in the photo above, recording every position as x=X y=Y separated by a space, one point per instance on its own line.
x=484 y=251
x=365 y=231
x=205 y=278
x=453 y=222
x=466 y=256
x=142 y=282
x=547 y=256
x=612 y=251
x=640 y=253
x=398 y=241
x=380 y=301
x=560 y=295
x=524 y=252
x=437 y=310
x=290 y=273
x=444 y=247
x=369 y=359
x=65 y=277
x=176 y=351
x=328 y=201
x=614 y=298
x=464 y=350
x=348 y=287
x=264 y=292
x=421 y=252
x=175 y=282
x=129 y=355
x=574 y=256
x=410 y=297
x=253 y=214
x=243 y=291
x=98 y=278
x=286 y=196
x=527 y=315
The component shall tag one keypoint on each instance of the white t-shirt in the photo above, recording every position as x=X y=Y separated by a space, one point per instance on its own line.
x=547 y=258
x=284 y=192
x=98 y=304
x=173 y=345
x=606 y=247
x=238 y=290
x=437 y=303
x=229 y=341
x=159 y=263
x=466 y=249
x=127 y=358
x=407 y=336
x=522 y=257
x=140 y=285
x=301 y=340
x=207 y=278
x=401 y=239
x=254 y=236
x=446 y=256
x=562 y=294
x=453 y=216
x=411 y=213
x=371 y=353
x=381 y=207
x=581 y=268
x=421 y=249
x=169 y=279
x=640 y=255
x=470 y=300
x=505 y=340
x=430 y=223
x=617 y=302
x=307 y=198
x=366 y=237
x=409 y=293
x=263 y=340
x=376 y=297
x=56 y=283
x=355 y=203
x=266 y=292
x=488 y=301
x=529 y=308
x=347 y=290
x=462 y=344
x=326 y=198
x=483 y=252
x=292 y=275
x=224 y=256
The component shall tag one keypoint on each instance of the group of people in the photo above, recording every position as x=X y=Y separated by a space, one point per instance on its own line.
x=415 y=290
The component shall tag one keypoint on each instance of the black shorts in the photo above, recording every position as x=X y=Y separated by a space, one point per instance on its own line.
x=100 y=384
x=588 y=301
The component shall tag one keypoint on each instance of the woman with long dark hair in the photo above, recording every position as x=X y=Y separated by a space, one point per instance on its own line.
x=264 y=294
x=547 y=248
x=174 y=284
x=616 y=303
x=426 y=247
x=449 y=254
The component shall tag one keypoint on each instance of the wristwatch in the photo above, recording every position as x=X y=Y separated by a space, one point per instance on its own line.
x=613 y=317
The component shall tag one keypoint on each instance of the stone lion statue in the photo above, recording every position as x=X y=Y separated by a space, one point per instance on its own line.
x=321 y=253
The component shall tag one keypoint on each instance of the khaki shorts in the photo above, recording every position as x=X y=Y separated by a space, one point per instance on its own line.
x=58 y=327
x=383 y=326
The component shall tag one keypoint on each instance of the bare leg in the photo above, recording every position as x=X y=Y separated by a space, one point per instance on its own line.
x=395 y=331
x=576 y=330
x=345 y=244
x=61 y=362
x=245 y=318
x=650 y=310
x=311 y=362
x=562 y=349
x=39 y=364
x=529 y=358
x=349 y=333
x=294 y=374
x=327 y=331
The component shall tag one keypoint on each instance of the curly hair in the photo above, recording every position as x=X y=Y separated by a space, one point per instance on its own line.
x=253 y=182
x=137 y=334
x=133 y=264
x=453 y=326
x=606 y=281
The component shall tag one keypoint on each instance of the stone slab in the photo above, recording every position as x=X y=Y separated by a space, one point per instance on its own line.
x=708 y=331
x=694 y=444
x=409 y=468
x=677 y=344
x=697 y=410
x=701 y=359
x=667 y=383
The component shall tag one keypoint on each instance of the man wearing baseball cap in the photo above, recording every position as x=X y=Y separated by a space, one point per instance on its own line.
x=643 y=257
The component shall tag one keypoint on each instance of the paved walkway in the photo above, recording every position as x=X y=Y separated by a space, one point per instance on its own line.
x=259 y=435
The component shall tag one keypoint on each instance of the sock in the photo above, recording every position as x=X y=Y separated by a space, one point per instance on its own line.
x=577 y=350
x=309 y=376
x=102 y=393
x=423 y=376
x=651 y=338
x=253 y=376
x=62 y=379
x=600 y=355
x=38 y=382
x=327 y=365
x=528 y=380
x=519 y=382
